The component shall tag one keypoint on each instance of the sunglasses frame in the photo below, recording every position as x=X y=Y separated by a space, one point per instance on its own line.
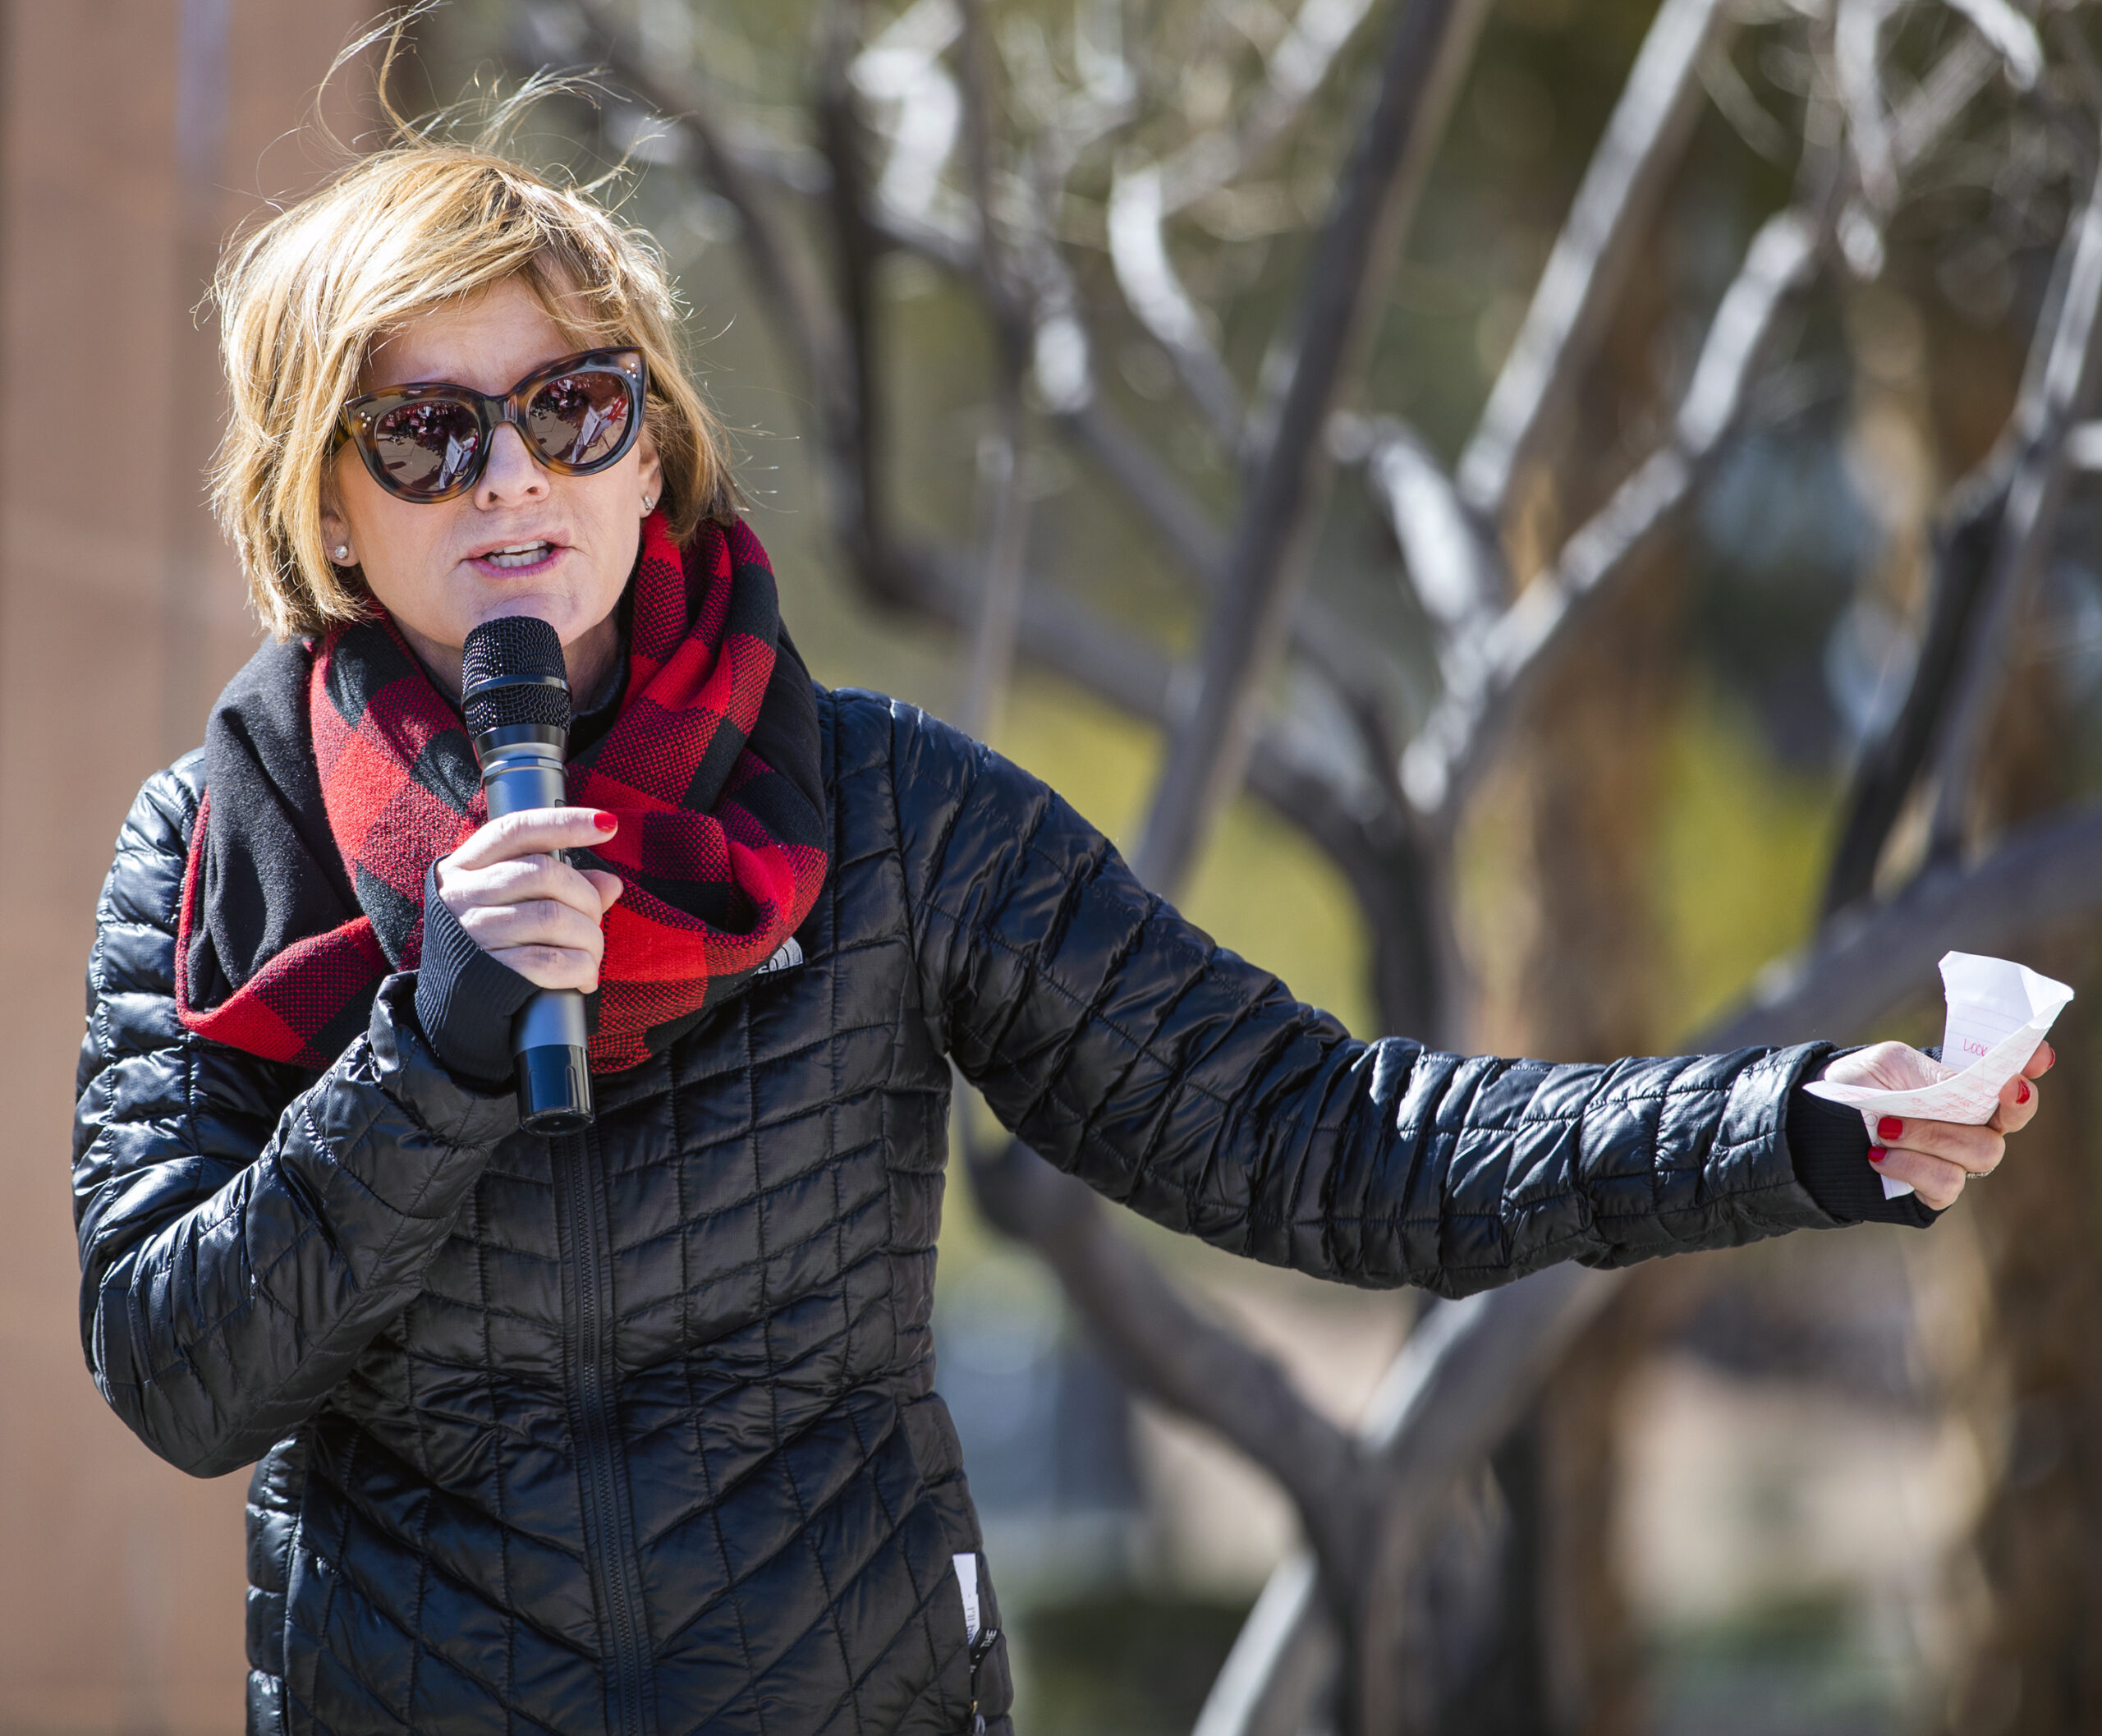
x=358 y=417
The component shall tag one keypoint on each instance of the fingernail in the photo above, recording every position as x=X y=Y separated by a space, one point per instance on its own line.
x=1876 y=1153
x=2021 y=1090
x=603 y=821
x=2050 y=1058
x=1890 y=1130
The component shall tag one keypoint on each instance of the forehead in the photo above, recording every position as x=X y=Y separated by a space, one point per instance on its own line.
x=488 y=340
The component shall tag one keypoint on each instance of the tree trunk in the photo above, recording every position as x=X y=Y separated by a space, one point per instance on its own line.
x=2036 y=1400
x=1568 y=948
x=1568 y=973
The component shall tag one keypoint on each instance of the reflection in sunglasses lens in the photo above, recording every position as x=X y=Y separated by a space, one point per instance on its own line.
x=426 y=447
x=580 y=418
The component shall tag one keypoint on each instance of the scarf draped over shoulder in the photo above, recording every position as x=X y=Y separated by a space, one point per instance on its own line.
x=337 y=774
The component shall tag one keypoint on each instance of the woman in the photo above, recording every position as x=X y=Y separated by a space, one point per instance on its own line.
x=635 y=1431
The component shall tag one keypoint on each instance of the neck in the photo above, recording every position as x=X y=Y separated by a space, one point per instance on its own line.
x=589 y=660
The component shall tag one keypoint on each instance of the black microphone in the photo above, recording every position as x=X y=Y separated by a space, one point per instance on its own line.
x=514 y=689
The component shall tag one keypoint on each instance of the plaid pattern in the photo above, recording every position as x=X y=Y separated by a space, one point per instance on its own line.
x=721 y=854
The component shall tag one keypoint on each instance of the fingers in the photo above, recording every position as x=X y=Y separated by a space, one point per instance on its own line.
x=551 y=944
x=525 y=879
x=527 y=907
x=534 y=831
x=2019 y=1102
x=1938 y=1157
x=1891 y=1066
x=546 y=922
x=1936 y=1180
x=1973 y=1150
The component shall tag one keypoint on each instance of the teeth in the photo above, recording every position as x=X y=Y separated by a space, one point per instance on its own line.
x=523 y=554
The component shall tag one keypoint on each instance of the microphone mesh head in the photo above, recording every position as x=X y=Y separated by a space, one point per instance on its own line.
x=507 y=674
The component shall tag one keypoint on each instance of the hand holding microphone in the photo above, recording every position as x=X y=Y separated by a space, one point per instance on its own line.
x=510 y=884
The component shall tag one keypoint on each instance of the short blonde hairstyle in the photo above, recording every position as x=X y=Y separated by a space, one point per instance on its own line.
x=304 y=299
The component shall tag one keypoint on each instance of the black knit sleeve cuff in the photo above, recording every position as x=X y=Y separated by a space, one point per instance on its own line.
x=1830 y=1145
x=465 y=999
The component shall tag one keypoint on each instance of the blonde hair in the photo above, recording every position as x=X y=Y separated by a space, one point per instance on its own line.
x=421 y=222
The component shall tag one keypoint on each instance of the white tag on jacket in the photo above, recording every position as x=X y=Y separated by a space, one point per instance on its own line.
x=786 y=957
x=966 y=1578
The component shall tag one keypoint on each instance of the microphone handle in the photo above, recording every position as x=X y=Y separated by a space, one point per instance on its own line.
x=549 y=1038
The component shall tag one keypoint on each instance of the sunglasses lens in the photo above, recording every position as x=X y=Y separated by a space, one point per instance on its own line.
x=581 y=419
x=425 y=447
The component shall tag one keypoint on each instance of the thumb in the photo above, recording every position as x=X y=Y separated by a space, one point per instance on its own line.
x=607 y=886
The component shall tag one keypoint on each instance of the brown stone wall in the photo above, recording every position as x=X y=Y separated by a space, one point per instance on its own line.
x=134 y=135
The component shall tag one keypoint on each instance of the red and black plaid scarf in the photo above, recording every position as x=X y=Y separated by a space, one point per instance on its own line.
x=337 y=774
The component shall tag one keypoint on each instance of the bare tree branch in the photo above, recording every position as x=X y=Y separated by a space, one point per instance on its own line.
x=1943 y=94
x=2041 y=875
x=1465 y=1376
x=1138 y=253
x=1454 y=569
x=1856 y=62
x=1628 y=172
x=1142 y=197
x=1366 y=839
x=1890 y=765
x=1002 y=483
x=785 y=275
x=1185 y=530
x=1395 y=878
x=1001 y=459
x=2071 y=371
x=2010 y=34
x=1268 y=550
x=1292 y=73
x=833 y=344
x=1441 y=765
x=1735 y=101
x=855 y=466
x=902 y=69
x=1168 y=1350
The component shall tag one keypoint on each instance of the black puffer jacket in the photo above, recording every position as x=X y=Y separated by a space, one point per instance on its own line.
x=636 y=1432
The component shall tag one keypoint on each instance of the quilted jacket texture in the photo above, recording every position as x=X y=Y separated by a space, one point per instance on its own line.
x=636 y=1432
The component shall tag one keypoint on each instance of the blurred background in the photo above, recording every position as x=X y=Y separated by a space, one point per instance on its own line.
x=1558 y=527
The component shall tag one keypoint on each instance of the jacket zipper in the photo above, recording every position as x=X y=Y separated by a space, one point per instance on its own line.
x=608 y=1525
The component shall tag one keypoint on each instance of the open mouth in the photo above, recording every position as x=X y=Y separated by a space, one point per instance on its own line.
x=519 y=555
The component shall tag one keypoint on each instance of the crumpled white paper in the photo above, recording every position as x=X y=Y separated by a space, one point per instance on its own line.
x=1997 y=1013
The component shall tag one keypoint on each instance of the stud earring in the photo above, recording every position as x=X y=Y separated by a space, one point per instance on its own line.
x=342 y=553
x=650 y=504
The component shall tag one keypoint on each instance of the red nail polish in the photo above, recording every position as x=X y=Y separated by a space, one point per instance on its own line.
x=2021 y=1090
x=1890 y=1130
x=1877 y=1154
x=2050 y=1058
x=603 y=821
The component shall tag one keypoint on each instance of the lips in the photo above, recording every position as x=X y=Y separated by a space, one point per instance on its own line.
x=520 y=555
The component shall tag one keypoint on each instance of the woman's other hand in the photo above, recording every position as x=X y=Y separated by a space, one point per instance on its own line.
x=1937 y=1157
x=523 y=907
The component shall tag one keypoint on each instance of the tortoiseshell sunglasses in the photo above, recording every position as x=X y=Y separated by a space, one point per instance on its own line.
x=431 y=442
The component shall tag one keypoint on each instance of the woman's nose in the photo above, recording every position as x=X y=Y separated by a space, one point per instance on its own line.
x=511 y=475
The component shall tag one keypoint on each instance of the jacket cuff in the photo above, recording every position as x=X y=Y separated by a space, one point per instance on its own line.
x=465 y=999
x=1829 y=1144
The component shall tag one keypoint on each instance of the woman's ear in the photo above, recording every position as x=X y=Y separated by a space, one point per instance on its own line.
x=652 y=472
x=335 y=528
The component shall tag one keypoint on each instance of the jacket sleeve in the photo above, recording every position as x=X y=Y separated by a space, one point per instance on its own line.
x=1118 y=1042
x=246 y=1229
